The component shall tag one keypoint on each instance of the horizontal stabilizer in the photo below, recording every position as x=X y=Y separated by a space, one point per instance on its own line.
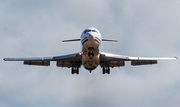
x=112 y=40
x=71 y=40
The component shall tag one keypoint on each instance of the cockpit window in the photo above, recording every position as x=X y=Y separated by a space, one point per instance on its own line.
x=94 y=31
x=88 y=30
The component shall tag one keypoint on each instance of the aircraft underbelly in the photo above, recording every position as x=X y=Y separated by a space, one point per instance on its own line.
x=90 y=63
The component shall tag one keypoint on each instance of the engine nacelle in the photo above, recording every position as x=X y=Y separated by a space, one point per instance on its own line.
x=143 y=62
x=112 y=64
x=38 y=63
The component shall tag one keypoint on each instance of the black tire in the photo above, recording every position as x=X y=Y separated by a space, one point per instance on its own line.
x=103 y=70
x=92 y=54
x=72 y=71
x=108 y=70
x=77 y=71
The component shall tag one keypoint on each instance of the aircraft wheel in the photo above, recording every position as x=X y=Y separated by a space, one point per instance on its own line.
x=72 y=71
x=103 y=71
x=89 y=54
x=77 y=72
x=108 y=70
x=92 y=54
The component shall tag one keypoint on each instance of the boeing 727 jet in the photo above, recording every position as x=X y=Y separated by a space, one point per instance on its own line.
x=90 y=56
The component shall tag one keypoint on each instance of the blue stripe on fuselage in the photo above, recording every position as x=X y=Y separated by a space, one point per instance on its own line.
x=98 y=39
x=84 y=39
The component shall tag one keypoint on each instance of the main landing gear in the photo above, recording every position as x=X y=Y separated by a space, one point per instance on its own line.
x=106 y=70
x=75 y=70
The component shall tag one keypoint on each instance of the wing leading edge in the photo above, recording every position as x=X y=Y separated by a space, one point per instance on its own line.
x=114 y=60
x=70 y=60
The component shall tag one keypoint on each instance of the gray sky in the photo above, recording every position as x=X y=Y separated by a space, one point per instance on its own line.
x=32 y=28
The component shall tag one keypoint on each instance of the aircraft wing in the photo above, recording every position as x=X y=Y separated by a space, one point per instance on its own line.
x=70 y=60
x=114 y=60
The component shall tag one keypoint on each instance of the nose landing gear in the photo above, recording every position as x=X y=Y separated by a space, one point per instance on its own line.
x=91 y=53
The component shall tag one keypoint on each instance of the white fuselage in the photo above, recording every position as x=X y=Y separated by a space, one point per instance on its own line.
x=91 y=40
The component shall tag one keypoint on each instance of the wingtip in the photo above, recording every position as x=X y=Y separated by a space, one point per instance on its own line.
x=5 y=59
x=176 y=57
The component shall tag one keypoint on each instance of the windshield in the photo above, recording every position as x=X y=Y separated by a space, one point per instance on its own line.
x=88 y=30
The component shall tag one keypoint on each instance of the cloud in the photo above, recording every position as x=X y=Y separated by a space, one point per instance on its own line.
x=143 y=28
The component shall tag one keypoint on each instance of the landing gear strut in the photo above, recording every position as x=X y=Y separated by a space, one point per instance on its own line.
x=106 y=70
x=75 y=70
x=91 y=51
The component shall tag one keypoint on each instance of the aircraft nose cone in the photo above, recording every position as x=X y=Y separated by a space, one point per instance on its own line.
x=91 y=36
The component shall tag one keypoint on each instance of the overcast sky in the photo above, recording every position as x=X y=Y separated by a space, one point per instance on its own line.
x=33 y=28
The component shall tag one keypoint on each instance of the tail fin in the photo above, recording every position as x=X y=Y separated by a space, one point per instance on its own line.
x=71 y=40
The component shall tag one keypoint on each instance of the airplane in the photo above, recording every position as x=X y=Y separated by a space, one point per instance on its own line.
x=90 y=56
